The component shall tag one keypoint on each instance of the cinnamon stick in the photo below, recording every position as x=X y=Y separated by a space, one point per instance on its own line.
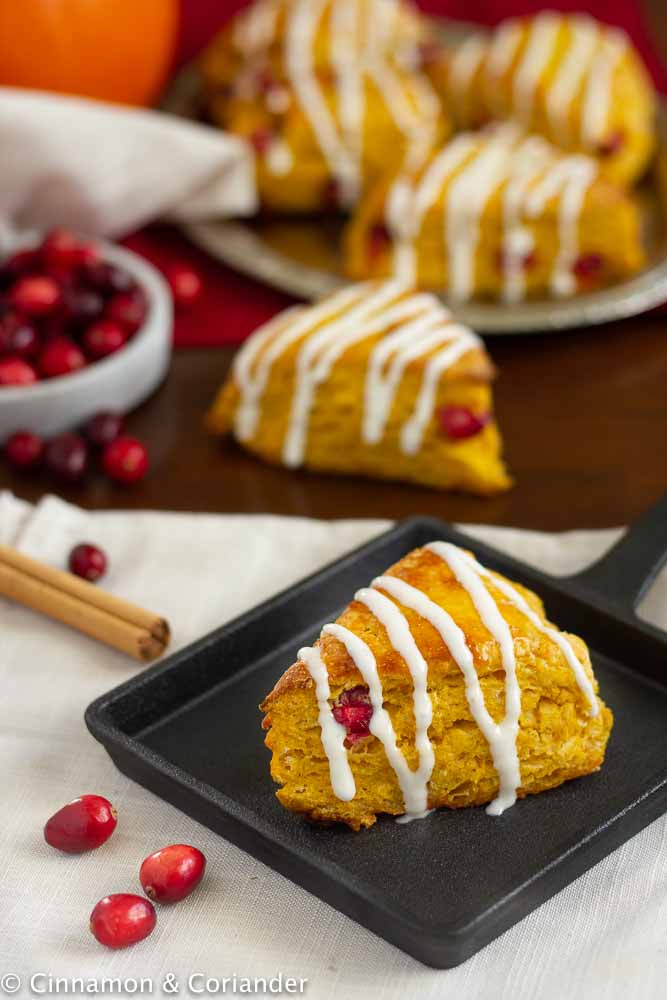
x=77 y=603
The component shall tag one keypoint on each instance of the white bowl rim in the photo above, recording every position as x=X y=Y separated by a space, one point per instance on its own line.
x=159 y=308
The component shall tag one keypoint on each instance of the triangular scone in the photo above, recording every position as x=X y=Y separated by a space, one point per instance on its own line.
x=441 y=684
x=578 y=82
x=328 y=92
x=501 y=214
x=375 y=380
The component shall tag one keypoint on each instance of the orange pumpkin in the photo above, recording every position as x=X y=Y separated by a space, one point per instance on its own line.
x=113 y=50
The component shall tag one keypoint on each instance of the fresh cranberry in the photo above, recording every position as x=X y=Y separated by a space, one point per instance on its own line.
x=128 y=309
x=261 y=140
x=88 y=562
x=331 y=195
x=122 y=919
x=66 y=456
x=125 y=460
x=171 y=874
x=379 y=239
x=83 y=306
x=81 y=825
x=16 y=371
x=18 y=336
x=24 y=449
x=22 y=262
x=104 y=427
x=611 y=144
x=353 y=710
x=63 y=251
x=103 y=338
x=60 y=356
x=458 y=422
x=186 y=285
x=588 y=265
x=36 y=295
x=107 y=278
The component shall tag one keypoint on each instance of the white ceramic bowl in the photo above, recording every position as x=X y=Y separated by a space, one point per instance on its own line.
x=119 y=382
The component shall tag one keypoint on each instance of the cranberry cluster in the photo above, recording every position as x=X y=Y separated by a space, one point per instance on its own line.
x=166 y=876
x=61 y=308
x=67 y=456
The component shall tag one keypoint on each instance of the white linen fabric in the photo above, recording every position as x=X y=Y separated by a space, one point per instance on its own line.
x=603 y=937
x=106 y=169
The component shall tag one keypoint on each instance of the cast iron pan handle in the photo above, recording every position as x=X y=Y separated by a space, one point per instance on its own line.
x=627 y=571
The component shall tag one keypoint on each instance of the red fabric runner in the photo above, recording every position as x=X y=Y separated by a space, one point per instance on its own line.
x=232 y=306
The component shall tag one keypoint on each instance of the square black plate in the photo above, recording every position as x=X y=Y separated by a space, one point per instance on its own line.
x=189 y=730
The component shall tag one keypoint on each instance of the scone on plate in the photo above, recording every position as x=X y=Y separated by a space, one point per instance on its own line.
x=328 y=92
x=375 y=380
x=576 y=81
x=497 y=213
x=441 y=684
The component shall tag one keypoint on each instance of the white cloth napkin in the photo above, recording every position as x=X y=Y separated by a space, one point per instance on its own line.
x=105 y=169
x=602 y=937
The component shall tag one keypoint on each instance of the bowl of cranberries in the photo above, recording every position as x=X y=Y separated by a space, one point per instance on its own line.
x=84 y=326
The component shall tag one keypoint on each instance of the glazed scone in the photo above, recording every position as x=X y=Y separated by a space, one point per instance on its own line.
x=327 y=92
x=375 y=380
x=578 y=82
x=441 y=684
x=497 y=213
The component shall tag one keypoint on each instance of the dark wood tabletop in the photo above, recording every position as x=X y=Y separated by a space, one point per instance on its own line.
x=584 y=416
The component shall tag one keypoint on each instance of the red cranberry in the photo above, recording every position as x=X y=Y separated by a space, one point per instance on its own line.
x=186 y=285
x=60 y=356
x=83 y=306
x=125 y=460
x=331 y=196
x=588 y=265
x=122 y=919
x=611 y=144
x=88 y=562
x=18 y=336
x=22 y=262
x=36 y=295
x=128 y=309
x=107 y=278
x=261 y=140
x=171 y=874
x=81 y=825
x=353 y=710
x=62 y=250
x=24 y=449
x=66 y=456
x=104 y=428
x=458 y=422
x=16 y=371
x=103 y=338
x=379 y=239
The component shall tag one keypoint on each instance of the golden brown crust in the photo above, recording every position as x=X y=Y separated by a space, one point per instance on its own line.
x=558 y=738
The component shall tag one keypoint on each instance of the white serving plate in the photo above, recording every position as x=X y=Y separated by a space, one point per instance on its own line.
x=119 y=382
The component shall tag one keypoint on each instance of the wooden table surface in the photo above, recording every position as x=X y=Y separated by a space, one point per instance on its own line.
x=584 y=416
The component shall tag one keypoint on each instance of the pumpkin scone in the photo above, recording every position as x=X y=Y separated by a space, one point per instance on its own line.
x=328 y=92
x=574 y=80
x=375 y=380
x=497 y=213
x=441 y=684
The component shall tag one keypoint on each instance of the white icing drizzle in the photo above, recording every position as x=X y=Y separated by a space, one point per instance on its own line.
x=597 y=98
x=349 y=88
x=413 y=788
x=537 y=54
x=279 y=158
x=575 y=64
x=501 y=52
x=465 y=202
x=320 y=352
x=333 y=734
x=570 y=179
x=255 y=28
x=252 y=381
x=501 y=737
x=531 y=158
x=464 y=65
